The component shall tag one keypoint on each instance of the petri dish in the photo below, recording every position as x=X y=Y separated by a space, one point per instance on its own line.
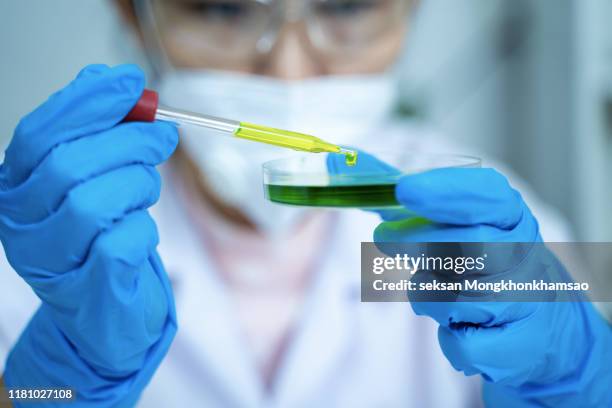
x=324 y=179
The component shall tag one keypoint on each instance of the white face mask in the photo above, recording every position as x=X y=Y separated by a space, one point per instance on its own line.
x=342 y=109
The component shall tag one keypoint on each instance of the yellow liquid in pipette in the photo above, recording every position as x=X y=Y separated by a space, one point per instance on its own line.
x=292 y=140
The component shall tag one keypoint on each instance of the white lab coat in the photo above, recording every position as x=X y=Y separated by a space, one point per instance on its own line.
x=344 y=353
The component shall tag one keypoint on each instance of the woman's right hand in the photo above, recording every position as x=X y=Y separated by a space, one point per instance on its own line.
x=75 y=187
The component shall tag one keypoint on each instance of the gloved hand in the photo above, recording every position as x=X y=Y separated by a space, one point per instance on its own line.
x=529 y=353
x=74 y=191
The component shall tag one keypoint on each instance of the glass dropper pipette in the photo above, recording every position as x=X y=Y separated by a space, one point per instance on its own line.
x=147 y=109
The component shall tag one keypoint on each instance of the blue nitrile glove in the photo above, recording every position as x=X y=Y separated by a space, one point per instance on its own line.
x=530 y=353
x=74 y=191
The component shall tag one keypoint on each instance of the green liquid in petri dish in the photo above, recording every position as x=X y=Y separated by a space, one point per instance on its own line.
x=347 y=196
x=292 y=140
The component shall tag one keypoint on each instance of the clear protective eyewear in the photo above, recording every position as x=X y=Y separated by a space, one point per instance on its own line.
x=242 y=30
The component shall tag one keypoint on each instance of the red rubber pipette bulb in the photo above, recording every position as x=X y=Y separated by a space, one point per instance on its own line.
x=145 y=108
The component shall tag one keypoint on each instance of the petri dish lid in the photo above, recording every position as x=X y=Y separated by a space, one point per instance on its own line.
x=372 y=168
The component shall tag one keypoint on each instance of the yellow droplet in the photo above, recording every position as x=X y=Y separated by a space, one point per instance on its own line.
x=350 y=157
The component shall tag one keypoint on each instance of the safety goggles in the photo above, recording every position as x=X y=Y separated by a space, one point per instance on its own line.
x=243 y=30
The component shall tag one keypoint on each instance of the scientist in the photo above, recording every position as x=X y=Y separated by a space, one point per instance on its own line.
x=265 y=297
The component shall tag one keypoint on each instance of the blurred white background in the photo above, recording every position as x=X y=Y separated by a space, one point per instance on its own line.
x=527 y=81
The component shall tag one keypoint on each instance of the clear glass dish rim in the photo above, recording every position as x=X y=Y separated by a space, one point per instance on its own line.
x=470 y=162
